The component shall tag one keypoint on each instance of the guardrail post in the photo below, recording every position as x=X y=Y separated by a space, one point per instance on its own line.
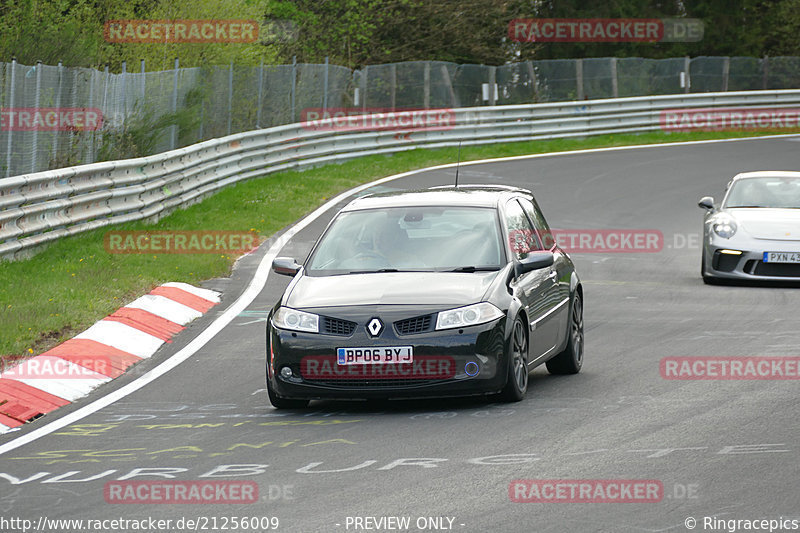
x=37 y=102
x=614 y=81
x=11 y=105
x=174 y=129
x=579 y=78
x=426 y=95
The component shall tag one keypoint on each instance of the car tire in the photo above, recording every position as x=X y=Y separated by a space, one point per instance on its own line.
x=517 y=382
x=570 y=360
x=283 y=403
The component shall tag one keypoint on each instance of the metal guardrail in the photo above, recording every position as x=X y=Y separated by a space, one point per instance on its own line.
x=39 y=208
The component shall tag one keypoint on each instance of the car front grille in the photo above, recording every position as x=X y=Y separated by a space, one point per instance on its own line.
x=410 y=326
x=782 y=270
x=337 y=326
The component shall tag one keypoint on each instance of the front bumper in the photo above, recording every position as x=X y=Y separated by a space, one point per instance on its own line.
x=749 y=265
x=455 y=362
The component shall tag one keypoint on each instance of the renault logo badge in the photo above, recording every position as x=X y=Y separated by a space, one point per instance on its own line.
x=374 y=327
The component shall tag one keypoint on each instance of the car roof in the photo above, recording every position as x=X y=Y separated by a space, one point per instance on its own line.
x=767 y=174
x=463 y=195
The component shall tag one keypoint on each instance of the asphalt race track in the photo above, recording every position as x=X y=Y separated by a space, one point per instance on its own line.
x=720 y=448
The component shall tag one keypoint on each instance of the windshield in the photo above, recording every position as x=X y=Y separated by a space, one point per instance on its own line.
x=410 y=239
x=782 y=192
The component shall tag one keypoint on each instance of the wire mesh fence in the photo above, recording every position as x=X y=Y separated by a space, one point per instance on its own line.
x=55 y=116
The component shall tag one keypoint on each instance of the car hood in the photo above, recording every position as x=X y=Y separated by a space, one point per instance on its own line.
x=391 y=288
x=765 y=223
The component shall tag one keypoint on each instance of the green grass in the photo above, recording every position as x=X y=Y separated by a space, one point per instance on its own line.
x=74 y=282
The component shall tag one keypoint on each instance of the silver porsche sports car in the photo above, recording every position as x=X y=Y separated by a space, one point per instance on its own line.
x=754 y=234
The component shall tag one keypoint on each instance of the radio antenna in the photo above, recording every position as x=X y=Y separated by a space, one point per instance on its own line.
x=458 y=163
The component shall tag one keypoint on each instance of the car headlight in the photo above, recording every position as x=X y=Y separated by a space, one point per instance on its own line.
x=724 y=226
x=470 y=315
x=288 y=318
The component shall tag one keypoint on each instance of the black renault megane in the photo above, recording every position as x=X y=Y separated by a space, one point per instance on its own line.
x=448 y=291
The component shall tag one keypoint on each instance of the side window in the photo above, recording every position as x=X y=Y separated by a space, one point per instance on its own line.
x=521 y=238
x=535 y=214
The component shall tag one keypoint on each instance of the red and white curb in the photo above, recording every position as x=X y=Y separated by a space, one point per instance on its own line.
x=101 y=353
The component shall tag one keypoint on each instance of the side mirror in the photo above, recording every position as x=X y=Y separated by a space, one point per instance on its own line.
x=285 y=265
x=707 y=203
x=535 y=261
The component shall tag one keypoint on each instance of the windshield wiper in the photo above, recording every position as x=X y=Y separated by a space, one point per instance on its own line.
x=474 y=269
x=373 y=271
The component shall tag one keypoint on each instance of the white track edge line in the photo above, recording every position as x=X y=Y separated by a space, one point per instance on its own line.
x=260 y=279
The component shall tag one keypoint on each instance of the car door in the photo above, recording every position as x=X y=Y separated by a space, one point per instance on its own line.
x=561 y=271
x=536 y=289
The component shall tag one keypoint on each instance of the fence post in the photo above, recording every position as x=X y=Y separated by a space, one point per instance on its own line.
x=230 y=97
x=534 y=81
x=687 y=65
x=124 y=97
x=71 y=137
x=11 y=105
x=57 y=134
x=765 y=73
x=364 y=87
x=260 y=94
x=614 y=81
x=426 y=90
x=446 y=78
x=325 y=93
x=726 y=69
x=579 y=78
x=492 y=83
x=144 y=87
x=36 y=102
x=294 y=85
x=103 y=109
x=174 y=135
x=393 y=85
